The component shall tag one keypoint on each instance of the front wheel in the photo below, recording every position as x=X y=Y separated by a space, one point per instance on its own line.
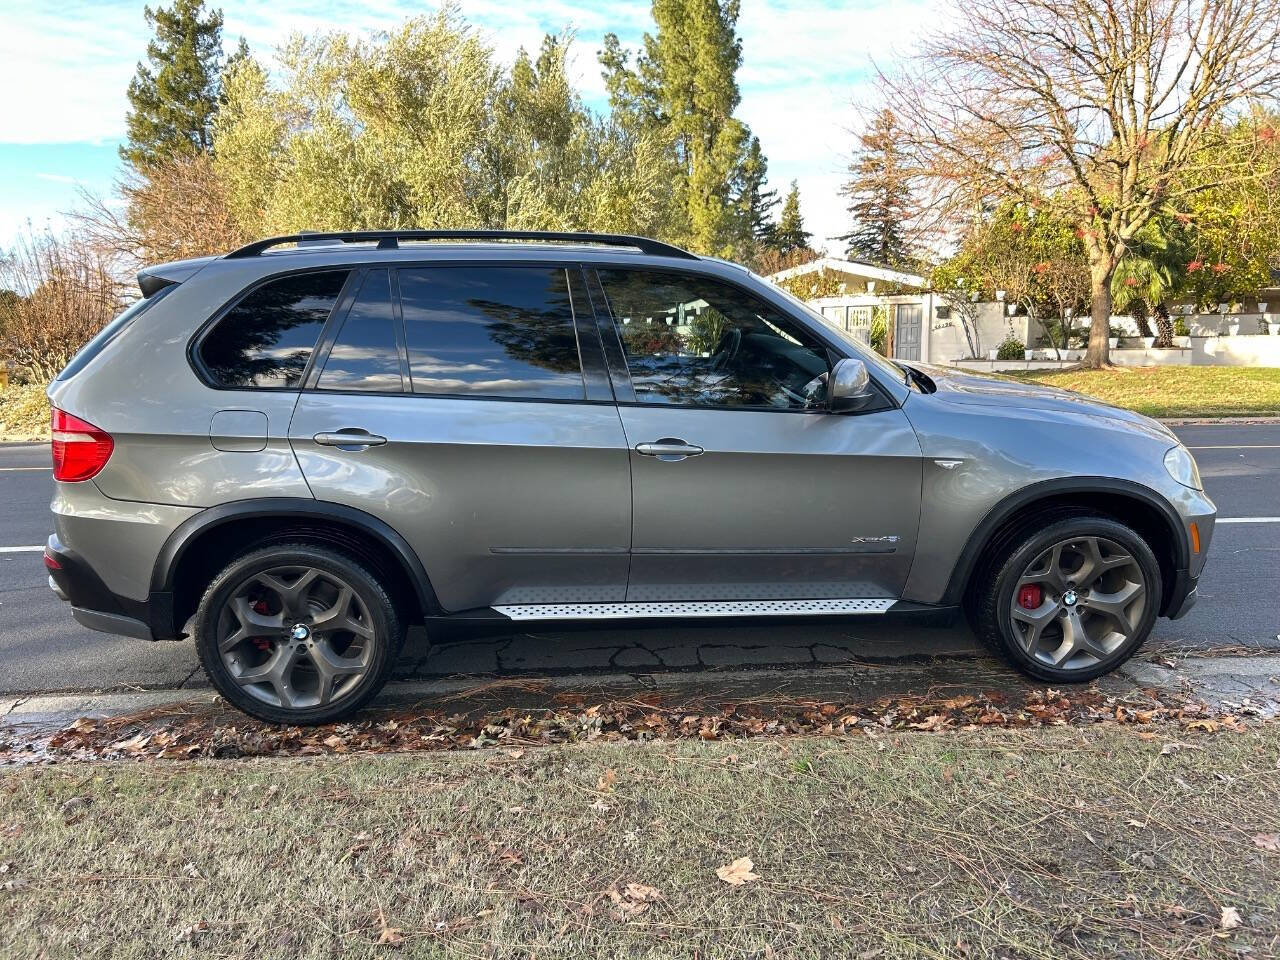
x=296 y=633
x=1070 y=600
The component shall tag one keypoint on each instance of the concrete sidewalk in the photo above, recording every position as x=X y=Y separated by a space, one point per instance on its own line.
x=1246 y=684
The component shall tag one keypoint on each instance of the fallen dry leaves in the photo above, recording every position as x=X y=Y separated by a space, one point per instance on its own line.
x=181 y=732
x=737 y=873
x=1230 y=918
x=632 y=900
x=1267 y=841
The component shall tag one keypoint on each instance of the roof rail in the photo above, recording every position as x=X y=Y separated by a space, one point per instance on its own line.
x=390 y=240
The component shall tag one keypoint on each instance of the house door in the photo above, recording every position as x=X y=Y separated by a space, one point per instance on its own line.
x=907 y=334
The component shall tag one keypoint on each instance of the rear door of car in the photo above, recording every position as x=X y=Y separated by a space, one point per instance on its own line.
x=744 y=486
x=457 y=402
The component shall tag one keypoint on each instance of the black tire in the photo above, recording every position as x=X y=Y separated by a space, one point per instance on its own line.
x=993 y=592
x=375 y=613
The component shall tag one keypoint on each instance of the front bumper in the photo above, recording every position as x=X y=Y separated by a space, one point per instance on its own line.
x=1183 y=597
x=92 y=603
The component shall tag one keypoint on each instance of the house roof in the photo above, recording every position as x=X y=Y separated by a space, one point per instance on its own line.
x=854 y=268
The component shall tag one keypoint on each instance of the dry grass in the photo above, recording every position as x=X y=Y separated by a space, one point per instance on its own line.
x=24 y=413
x=1176 y=391
x=1063 y=842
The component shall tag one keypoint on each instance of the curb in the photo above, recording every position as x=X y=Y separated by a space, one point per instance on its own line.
x=1244 y=421
x=1221 y=679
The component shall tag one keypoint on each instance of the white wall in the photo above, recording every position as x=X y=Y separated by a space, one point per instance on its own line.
x=947 y=341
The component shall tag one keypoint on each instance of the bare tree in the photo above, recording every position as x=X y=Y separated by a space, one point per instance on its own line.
x=1102 y=111
x=171 y=210
x=66 y=292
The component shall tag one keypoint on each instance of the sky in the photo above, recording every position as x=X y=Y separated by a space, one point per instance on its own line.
x=807 y=68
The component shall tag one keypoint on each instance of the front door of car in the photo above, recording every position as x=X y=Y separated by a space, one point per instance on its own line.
x=743 y=486
x=453 y=404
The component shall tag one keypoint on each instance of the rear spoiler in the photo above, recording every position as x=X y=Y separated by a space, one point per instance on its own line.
x=152 y=280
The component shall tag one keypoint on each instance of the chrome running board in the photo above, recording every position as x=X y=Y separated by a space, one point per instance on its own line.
x=695 y=608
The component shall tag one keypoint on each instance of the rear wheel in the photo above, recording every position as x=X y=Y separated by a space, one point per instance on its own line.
x=295 y=633
x=1071 y=599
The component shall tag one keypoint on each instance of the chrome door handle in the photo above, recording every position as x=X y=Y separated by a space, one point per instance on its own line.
x=670 y=449
x=349 y=438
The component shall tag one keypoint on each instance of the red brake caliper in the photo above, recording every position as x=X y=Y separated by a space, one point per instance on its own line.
x=262 y=643
x=1030 y=596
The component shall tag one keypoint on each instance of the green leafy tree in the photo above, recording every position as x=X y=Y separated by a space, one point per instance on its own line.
x=423 y=127
x=173 y=97
x=683 y=87
x=1232 y=229
x=880 y=195
x=790 y=233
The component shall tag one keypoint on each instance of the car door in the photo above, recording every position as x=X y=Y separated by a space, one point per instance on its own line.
x=743 y=486
x=453 y=404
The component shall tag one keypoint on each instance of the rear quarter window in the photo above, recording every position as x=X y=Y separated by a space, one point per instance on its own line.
x=266 y=340
x=110 y=332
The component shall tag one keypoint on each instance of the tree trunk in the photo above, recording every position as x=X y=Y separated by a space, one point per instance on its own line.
x=1164 y=327
x=1099 y=354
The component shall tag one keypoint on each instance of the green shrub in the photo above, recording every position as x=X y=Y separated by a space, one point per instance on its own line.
x=880 y=330
x=24 y=412
x=1180 y=328
x=1011 y=349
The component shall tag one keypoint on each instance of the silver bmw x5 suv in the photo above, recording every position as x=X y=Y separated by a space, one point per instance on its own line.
x=294 y=452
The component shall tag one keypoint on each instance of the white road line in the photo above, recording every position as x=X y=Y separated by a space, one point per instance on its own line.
x=19 y=469
x=1240 y=446
x=21 y=549
x=1248 y=520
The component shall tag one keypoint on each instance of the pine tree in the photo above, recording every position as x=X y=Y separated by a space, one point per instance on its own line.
x=879 y=192
x=684 y=85
x=791 y=234
x=174 y=96
x=755 y=203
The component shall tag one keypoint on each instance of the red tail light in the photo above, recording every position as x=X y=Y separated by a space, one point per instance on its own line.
x=80 y=449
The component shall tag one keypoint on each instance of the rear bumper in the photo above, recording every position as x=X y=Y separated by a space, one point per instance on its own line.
x=92 y=603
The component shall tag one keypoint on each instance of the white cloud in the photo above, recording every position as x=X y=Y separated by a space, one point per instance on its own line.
x=64 y=68
x=56 y=178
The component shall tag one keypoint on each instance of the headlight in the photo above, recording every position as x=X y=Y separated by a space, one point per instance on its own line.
x=1182 y=467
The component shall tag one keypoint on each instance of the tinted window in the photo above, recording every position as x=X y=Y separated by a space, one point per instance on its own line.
x=365 y=355
x=491 y=331
x=694 y=341
x=267 y=338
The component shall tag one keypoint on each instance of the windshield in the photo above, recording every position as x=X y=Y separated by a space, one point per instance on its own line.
x=857 y=347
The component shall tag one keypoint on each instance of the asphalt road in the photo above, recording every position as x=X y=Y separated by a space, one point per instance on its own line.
x=43 y=649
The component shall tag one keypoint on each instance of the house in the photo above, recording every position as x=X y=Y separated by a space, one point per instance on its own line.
x=847 y=293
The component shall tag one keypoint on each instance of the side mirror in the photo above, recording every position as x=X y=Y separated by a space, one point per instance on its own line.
x=851 y=388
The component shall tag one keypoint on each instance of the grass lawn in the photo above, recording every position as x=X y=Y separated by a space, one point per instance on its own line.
x=1061 y=842
x=1176 y=391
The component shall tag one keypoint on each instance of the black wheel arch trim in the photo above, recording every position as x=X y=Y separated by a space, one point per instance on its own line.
x=1045 y=490
x=169 y=560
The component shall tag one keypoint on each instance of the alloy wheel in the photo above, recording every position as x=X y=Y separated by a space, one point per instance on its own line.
x=296 y=637
x=1078 y=602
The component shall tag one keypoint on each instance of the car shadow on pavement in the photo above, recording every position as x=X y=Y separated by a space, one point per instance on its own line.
x=679 y=648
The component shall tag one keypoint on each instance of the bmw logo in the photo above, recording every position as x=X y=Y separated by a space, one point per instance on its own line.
x=301 y=632
x=1069 y=598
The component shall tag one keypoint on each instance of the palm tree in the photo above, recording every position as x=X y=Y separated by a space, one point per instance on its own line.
x=1147 y=275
